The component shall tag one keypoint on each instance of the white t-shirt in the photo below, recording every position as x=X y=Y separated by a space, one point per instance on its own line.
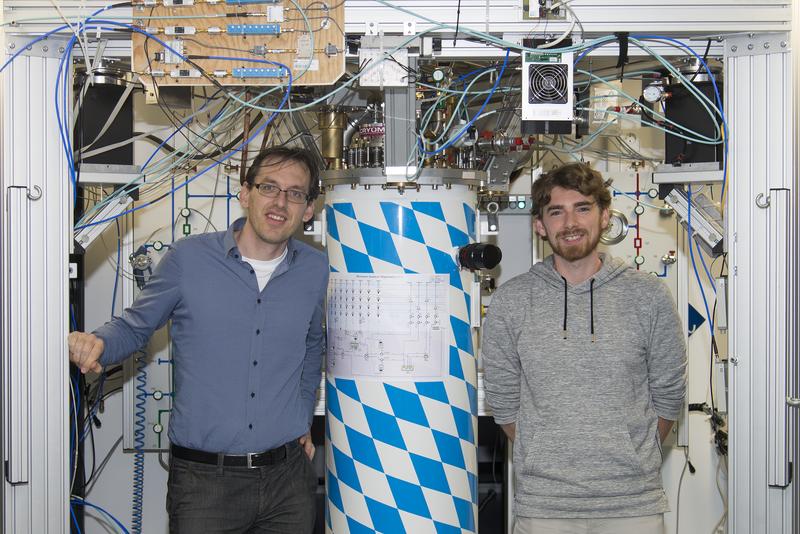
x=265 y=268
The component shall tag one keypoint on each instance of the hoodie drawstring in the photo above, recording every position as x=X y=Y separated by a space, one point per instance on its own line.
x=565 y=307
x=591 y=307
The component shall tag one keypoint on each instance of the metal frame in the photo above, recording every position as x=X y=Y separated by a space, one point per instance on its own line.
x=760 y=114
x=35 y=486
x=505 y=16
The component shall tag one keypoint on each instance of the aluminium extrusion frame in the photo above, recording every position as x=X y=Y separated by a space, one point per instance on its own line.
x=37 y=237
x=762 y=168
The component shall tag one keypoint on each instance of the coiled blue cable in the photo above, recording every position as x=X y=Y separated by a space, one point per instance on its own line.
x=138 y=445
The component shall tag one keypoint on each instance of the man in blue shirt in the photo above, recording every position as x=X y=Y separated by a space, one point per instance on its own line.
x=246 y=307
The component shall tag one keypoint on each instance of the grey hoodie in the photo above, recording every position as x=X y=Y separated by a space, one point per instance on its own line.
x=585 y=409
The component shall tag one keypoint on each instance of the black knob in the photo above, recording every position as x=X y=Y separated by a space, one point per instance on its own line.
x=477 y=256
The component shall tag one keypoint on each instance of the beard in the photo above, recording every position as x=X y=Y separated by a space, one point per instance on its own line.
x=577 y=251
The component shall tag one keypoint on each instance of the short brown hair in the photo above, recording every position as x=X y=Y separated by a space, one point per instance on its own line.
x=279 y=154
x=576 y=176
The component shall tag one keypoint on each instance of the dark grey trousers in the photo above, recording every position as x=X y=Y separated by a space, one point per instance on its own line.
x=275 y=499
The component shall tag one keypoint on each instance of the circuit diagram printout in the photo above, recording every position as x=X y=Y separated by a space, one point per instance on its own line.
x=387 y=326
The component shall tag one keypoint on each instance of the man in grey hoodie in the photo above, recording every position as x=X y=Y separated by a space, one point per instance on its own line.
x=584 y=364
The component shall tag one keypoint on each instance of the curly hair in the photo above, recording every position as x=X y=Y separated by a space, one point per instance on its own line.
x=576 y=176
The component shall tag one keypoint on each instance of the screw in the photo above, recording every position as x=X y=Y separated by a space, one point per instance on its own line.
x=783 y=44
x=45 y=49
x=734 y=48
x=766 y=45
x=750 y=35
x=750 y=46
x=12 y=46
x=734 y=360
x=60 y=49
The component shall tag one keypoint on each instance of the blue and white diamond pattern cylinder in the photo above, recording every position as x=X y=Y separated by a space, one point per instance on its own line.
x=401 y=419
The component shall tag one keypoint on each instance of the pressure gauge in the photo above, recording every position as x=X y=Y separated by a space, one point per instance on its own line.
x=617 y=228
x=438 y=75
x=653 y=93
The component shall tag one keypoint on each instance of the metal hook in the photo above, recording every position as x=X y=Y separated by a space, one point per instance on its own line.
x=37 y=194
x=762 y=201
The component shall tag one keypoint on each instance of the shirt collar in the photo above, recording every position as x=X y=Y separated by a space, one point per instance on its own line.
x=229 y=241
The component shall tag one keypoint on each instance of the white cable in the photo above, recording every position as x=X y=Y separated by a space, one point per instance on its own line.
x=563 y=36
x=82 y=44
x=114 y=112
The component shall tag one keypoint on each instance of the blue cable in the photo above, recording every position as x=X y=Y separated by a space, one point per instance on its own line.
x=74 y=519
x=716 y=95
x=474 y=117
x=694 y=264
x=138 y=445
x=183 y=125
x=81 y=502
x=705 y=268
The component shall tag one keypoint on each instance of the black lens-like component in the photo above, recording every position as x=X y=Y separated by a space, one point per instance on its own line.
x=477 y=256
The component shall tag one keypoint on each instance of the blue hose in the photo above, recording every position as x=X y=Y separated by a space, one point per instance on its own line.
x=138 y=444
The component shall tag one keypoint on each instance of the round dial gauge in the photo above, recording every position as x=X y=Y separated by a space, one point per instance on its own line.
x=652 y=93
x=617 y=228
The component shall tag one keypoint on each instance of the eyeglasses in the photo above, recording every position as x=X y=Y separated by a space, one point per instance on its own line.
x=272 y=191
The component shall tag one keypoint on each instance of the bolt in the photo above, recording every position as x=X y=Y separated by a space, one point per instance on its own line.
x=45 y=49
x=766 y=45
x=734 y=360
x=60 y=49
x=734 y=48
x=783 y=44
x=29 y=48
x=750 y=35
x=750 y=46
x=12 y=46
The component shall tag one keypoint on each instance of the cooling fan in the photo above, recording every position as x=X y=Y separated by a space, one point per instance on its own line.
x=547 y=87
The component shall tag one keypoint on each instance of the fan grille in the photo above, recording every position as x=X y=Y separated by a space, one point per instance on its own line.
x=548 y=83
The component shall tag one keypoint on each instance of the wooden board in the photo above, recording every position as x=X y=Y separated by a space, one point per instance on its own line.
x=326 y=19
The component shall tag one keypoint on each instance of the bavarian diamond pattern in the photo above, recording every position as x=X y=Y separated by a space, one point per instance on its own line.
x=402 y=456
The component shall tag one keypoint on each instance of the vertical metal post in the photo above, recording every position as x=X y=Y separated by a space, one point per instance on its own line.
x=37 y=230
x=761 y=165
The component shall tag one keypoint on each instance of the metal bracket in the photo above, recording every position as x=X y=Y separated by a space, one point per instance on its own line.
x=34 y=194
x=756 y=44
x=762 y=200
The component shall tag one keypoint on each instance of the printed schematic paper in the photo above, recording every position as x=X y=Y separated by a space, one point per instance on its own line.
x=388 y=326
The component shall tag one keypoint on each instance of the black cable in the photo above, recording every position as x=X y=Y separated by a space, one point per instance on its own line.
x=458 y=19
x=705 y=60
x=168 y=113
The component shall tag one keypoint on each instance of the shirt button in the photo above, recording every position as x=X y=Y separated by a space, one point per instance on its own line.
x=255 y=362
x=252 y=271
x=258 y=332
x=252 y=395
x=236 y=256
x=250 y=426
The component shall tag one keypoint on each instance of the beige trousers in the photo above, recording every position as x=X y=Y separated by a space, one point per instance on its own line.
x=649 y=524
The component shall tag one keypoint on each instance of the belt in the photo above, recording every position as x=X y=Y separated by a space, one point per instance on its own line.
x=253 y=459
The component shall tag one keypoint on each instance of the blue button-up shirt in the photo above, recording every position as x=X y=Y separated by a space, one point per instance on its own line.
x=246 y=363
